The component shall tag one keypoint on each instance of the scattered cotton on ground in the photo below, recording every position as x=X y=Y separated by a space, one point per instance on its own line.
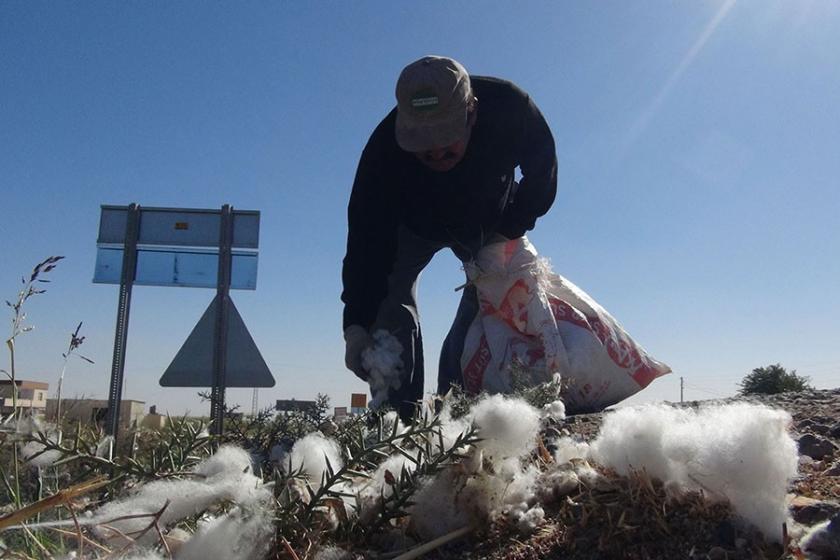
x=33 y=453
x=555 y=410
x=383 y=362
x=310 y=452
x=237 y=534
x=225 y=476
x=741 y=451
x=567 y=449
x=467 y=494
x=508 y=427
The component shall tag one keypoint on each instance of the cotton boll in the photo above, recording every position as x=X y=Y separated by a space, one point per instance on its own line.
x=529 y=520
x=508 y=426
x=588 y=475
x=32 y=452
x=555 y=410
x=231 y=463
x=310 y=451
x=742 y=452
x=383 y=362
x=435 y=511
x=186 y=498
x=176 y=538
x=226 y=461
x=632 y=438
x=556 y=483
x=450 y=428
x=567 y=449
x=34 y=455
x=371 y=492
x=221 y=479
x=389 y=419
x=235 y=535
x=393 y=464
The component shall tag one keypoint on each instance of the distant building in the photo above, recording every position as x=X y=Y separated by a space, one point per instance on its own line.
x=95 y=411
x=153 y=420
x=358 y=403
x=31 y=396
x=293 y=405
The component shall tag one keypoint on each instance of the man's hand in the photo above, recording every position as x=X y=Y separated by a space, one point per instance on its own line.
x=356 y=339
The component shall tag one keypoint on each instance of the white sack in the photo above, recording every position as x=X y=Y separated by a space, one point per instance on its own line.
x=537 y=322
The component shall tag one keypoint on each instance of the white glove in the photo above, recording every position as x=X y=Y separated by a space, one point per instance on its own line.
x=356 y=339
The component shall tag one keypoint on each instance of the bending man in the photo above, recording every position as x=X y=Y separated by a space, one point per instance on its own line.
x=438 y=172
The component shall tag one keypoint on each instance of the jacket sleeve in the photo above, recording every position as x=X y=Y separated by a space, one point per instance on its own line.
x=538 y=164
x=371 y=239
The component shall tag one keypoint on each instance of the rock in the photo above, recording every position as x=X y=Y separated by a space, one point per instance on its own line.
x=815 y=447
x=833 y=469
x=809 y=511
x=834 y=431
x=718 y=553
x=820 y=429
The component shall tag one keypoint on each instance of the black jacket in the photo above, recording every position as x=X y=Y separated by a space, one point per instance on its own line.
x=472 y=201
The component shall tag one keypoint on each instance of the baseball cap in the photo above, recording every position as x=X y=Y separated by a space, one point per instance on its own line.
x=433 y=95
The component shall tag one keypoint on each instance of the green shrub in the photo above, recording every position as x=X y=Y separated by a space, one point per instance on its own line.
x=771 y=380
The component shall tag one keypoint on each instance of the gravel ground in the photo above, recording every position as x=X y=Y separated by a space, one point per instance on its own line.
x=595 y=524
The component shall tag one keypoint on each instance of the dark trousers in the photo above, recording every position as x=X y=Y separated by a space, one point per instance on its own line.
x=398 y=315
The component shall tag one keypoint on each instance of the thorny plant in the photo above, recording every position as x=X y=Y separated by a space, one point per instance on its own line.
x=171 y=452
x=259 y=434
x=539 y=395
x=300 y=519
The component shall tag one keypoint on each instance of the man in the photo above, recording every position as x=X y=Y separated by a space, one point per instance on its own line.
x=438 y=172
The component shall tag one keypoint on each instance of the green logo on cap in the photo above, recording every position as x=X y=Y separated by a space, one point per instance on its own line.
x=425 y=100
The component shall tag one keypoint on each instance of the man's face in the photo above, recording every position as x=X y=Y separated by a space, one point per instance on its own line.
x=444 y=158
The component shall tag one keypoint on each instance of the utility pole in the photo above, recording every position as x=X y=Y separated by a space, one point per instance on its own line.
x=682 y=386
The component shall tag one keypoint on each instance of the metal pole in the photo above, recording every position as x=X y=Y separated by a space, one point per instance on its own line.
x=129 y=268
x=217 y=395
x=682 y=384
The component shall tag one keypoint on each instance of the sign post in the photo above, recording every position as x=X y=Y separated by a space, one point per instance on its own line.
x=129 y=269
x=217 y=395
x=189 y=248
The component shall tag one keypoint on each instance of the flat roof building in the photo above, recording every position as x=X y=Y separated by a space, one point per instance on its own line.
x=31 y=395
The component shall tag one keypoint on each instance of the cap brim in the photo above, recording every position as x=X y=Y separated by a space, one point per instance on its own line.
x=420 y=137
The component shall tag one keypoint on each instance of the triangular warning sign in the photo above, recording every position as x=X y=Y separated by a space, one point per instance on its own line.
x=193 y=364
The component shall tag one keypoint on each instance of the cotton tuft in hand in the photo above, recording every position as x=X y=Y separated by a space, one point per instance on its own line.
x=742 y=452
x=384 y=365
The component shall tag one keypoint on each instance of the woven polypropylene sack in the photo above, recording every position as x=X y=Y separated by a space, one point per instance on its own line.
x=534 y=323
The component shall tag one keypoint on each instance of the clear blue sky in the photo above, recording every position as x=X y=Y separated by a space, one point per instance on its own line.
x=699 y=181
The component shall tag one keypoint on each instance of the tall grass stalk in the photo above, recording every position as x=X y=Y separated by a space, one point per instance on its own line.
x=18 y=327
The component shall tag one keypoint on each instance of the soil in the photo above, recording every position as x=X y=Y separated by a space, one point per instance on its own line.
x=637 y=518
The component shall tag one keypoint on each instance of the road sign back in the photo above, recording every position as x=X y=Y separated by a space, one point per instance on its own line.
x=193 y=364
